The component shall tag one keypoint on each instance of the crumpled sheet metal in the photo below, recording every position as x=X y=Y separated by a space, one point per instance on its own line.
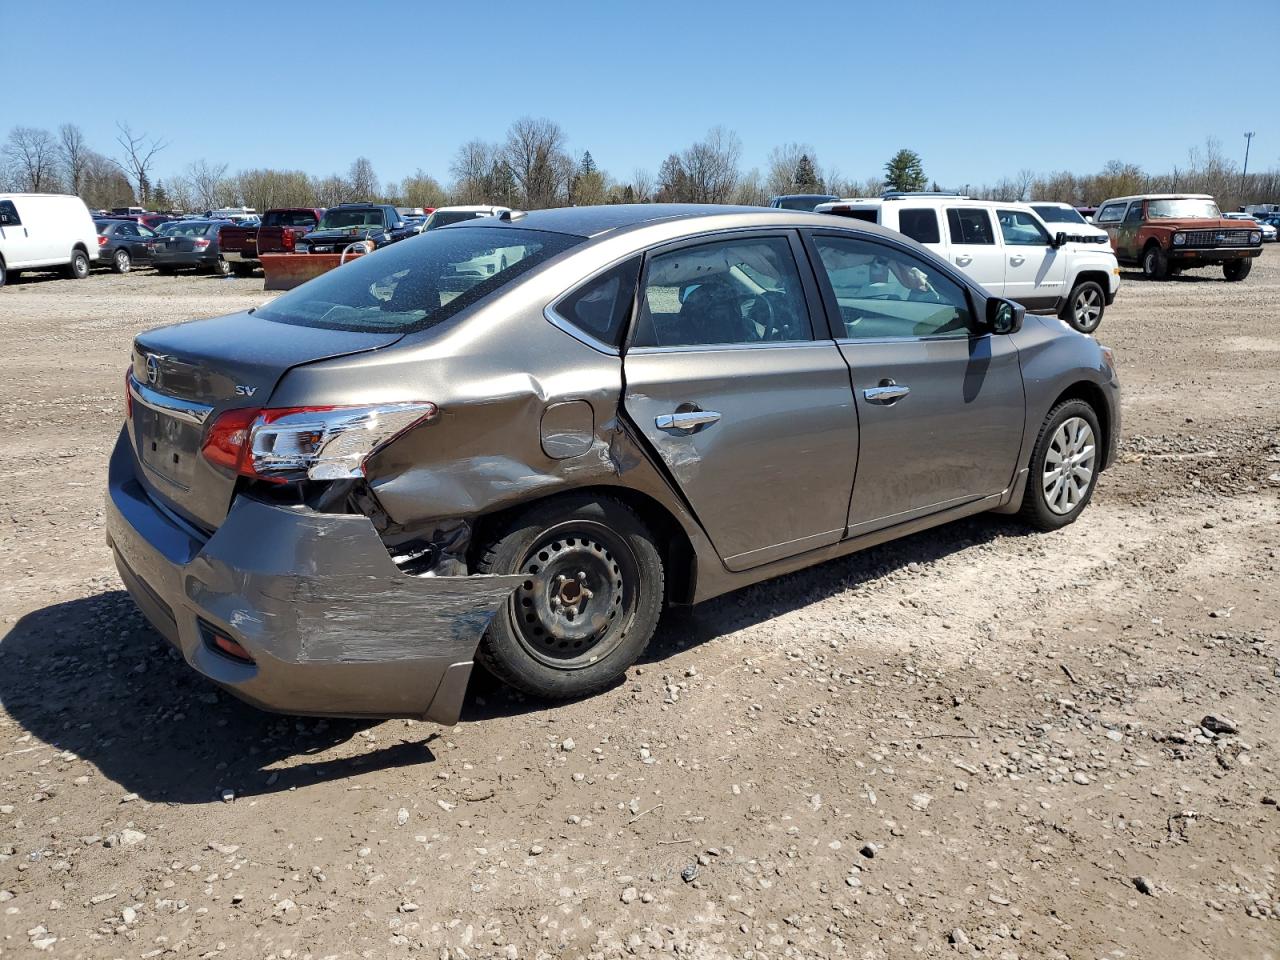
x=312 y=587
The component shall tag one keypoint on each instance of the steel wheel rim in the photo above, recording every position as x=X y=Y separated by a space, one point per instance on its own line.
x=122 y=260
x=580 y=592
x=1069 y=466
x=1088 y=308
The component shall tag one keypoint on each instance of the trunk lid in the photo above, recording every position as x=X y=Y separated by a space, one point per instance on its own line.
x=185 y=376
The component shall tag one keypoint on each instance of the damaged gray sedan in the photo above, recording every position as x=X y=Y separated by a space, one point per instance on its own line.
x=516 y=440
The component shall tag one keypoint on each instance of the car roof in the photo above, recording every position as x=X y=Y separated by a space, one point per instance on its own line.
x=1159 y=196
x=593 y=221
x=918 y=200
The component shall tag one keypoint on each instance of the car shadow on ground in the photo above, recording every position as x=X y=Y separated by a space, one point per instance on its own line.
x=1140 y=277
x=91 y=677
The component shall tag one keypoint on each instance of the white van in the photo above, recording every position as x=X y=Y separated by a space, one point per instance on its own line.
x=43 y=230
x=1006 y=247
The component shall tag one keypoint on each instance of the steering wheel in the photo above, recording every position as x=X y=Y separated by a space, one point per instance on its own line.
x=779 y=318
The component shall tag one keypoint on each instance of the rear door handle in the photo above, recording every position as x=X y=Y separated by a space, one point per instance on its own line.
x=964 y=259
x=686 y=421
x=888 y=392
x=1017 y=261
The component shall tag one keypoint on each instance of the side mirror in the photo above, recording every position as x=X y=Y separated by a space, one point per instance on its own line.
x=1004 y=316
x=1059 y=239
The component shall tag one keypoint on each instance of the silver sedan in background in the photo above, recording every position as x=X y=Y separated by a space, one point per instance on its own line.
x=337 y=502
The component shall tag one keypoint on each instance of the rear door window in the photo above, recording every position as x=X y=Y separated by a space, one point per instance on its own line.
x=920 y=225
x=970 y=225
x=601 y=307
x=1111 y=213
x=9 y=214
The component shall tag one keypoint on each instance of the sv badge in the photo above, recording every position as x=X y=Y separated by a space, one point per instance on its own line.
x=245 y=391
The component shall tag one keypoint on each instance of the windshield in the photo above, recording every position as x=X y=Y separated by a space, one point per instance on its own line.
x=1054 y=214
x=183 y=228
x=442 y=218
x=417 y=283
x=1182 y=210
x=342 y=219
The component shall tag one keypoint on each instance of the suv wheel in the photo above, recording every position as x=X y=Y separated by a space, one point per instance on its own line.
x=1064 y=466
x=78 y=268
x=120 y=262
x=3 y=274
x=1155 y=265
x=589 y=603
x=1085 y=306
x=1237 y=269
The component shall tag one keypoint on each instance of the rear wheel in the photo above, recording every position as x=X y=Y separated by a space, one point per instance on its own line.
x=222 y=268
x=243 y=269
x=1237 y=269
x=1064 y=466
x=78 y=268
x=3 y=274
x=1155 y=265
x=589 y=603
x=121 y=262
x=1085 y=306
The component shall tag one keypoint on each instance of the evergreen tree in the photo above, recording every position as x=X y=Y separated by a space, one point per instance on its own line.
x=806 y=177
x=587 y=164
x=160 y=197
x=904 y=171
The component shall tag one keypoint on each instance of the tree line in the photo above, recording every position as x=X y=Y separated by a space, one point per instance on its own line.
x=532 y=167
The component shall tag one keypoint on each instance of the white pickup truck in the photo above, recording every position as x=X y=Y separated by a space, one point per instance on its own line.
x=1006 y=247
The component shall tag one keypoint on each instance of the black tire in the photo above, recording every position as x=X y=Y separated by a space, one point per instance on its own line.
x=4 y=274
x=121 y=261
x=166 y=271
x=553 y=638
x=78 y=268
x=243 y=269
x=1085 y=306
x=1036 y=507
x=1155 y=265
x=1235 y=270
x=222 y=268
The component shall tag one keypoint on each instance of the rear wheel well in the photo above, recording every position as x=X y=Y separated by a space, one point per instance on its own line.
x=1091 y=394
x=678 y=560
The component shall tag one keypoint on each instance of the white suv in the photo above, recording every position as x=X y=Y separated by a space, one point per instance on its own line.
x=1004 y=246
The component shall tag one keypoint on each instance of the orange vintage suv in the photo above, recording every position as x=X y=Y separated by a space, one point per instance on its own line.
x=1166 y=233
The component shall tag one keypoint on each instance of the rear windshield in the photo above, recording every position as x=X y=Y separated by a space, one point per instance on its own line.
x=337 y=219
x=417 y=283
x=104 y=225
x=1051 y=214
x=1182 y=209
x=801 y=203
x=289 y=218
x=183 y=228
x=442 y=218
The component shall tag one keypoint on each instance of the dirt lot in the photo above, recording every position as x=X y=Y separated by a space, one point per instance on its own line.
x=978 y=740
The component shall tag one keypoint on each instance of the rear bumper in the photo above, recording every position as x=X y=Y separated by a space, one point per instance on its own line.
x=240 y=256
x=334 y=628
x=184 y=259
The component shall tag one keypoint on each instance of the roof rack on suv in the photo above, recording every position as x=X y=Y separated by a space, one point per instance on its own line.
x=903 y=194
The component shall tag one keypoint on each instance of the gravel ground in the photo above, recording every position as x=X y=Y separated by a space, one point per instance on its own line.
x=977 y=741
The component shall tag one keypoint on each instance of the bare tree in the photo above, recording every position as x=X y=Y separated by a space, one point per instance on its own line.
x=471 y=169
x=73 y=153
x=791 y=163
x=105 y=185
x=32 y=152
x=711 y=166
x=750 y=189
x=535 y=151
x=208 y=186
x=364 y=182
x=139 y=157
x=642 y=185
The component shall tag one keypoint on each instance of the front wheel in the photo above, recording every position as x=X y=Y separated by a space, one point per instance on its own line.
x=589 y=602
x=1237 y=269
x=78 y=268
x=1085 y=306
x=121 y=263
x=1064 y=466
x=1155 y=265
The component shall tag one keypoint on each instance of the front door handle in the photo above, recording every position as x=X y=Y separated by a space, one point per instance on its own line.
x=686 y=421
x=964 y=260
x=888 y=392
x=1017 y=260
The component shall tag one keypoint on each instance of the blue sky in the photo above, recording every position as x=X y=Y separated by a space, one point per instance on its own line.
x=980 y=89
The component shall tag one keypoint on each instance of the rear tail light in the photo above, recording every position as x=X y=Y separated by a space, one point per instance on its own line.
x=287 y=239
x=102 y=241
x=315 y=443
x=201 y=244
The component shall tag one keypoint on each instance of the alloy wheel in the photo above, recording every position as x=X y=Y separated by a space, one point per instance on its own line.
x=1069 y=465
x=1087 y=308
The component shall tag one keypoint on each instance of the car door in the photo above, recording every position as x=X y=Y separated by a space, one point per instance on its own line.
x=972 y=246
x=744 y=398
x=144 y=248
x=1108 y=219
x=17 y=244
x=940 y=402
x=1127 y=232
x=1034 y=269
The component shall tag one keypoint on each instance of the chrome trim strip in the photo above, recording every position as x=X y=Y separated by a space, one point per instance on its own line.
x=187 y=410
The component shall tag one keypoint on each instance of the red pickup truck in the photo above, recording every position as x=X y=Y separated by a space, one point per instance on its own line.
x=279 y=233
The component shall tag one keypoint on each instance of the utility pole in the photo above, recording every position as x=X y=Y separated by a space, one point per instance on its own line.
x=1248 y=141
